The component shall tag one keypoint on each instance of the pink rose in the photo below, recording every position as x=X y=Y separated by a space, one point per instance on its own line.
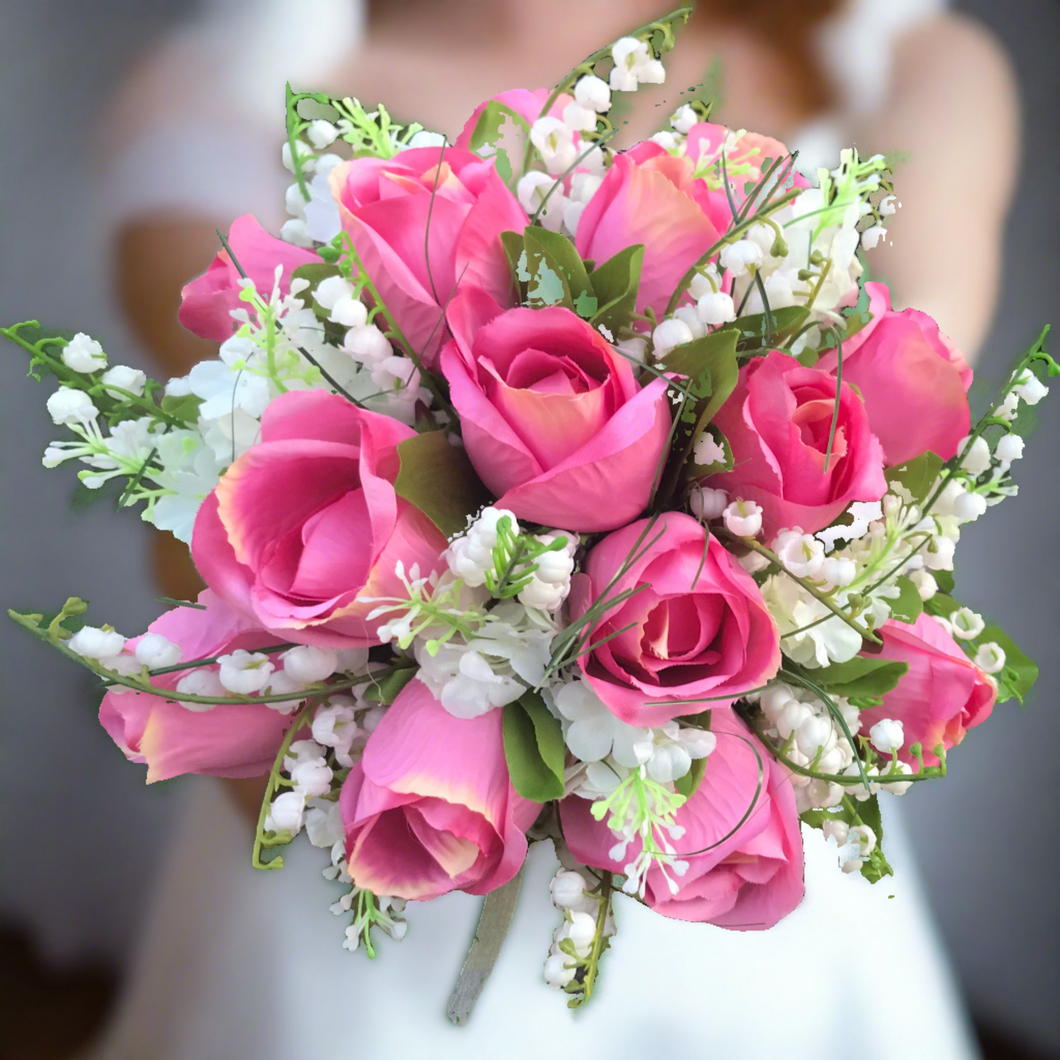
x=746 y=882
x=305 y=526
x=699 y=628
x=430 y=808
x=206 y=303
x=553 y=418
x=912 y=379
x=777 y=422
x=650 y=197
x=384 y=205
x=227 y=740
x=940 y=697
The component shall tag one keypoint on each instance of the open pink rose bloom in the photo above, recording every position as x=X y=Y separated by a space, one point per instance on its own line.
x=547 y=491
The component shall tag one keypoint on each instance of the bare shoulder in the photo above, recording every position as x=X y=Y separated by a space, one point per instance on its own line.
x=954 y=56
x=953 y=96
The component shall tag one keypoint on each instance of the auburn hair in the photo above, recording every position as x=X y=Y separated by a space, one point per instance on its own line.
x=789 y=28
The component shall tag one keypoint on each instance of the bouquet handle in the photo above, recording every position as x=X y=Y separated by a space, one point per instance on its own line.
x=498 y=908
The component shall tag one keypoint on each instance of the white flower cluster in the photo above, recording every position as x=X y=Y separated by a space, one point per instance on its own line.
x=477 y=647
x=635 y=65
x=581 y=918
x=394 y=388
x=809 y=736
x=340 y=728
x=895 y=539
x=803 y=254
x=855 y=843
x=609 y=748
x=316 y=219
x=175 y=468
x=245 y=673
x=506 y=655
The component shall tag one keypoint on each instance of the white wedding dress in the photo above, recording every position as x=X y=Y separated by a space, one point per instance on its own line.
x=242 y=964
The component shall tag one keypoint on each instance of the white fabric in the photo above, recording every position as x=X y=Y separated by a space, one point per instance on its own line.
x=241 y=964
x=245 y=964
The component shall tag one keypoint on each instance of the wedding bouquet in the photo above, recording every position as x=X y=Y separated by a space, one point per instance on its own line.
x=544 y=491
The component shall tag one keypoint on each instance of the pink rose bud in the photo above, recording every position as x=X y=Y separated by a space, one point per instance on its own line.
x=911 y=377
x=307 y=519
x=941 y=697
x=777 y=422
x=206 y=303
x=385 y=203
x=430 y=808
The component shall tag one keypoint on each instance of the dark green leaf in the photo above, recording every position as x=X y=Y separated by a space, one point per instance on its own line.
x=908 y=607
x=514 y=251
x=917 y=476
x=386 y=690
x=726 y=464
x=534 y=749
x=876 y=865
x=1019 y=673
x=861 y=677
x=505 y=131
x=554 y=272
x=753 y=331
x=710 y=366
x=438 y=479
x=615 y=284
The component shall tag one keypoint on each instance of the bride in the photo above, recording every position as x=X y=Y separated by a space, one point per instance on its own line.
x=242 y=964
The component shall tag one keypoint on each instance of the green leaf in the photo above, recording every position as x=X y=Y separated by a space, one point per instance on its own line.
x=386 y=690
x=514 y=251
x=908 y=607
x=725 y=464
x=944 y=580
x=1020 y=672
x=753 y=332
x=615 y=284
x=917 y=476
x=861 y=677
x=552 y=261
x=493 y=131
x=315 y=273
x=710 y=366
x=688 y=785
x=534 y=749
x=438 y=479
x=876 y=865
x=185 y=407
x=941 y=604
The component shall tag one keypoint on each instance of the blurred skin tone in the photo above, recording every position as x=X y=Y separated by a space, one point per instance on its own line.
x=946 y=250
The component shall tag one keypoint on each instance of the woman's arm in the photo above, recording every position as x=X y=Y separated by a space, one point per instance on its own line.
x=155 y=256
x=954 y=110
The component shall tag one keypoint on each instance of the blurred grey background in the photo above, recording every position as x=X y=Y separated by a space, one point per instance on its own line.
x=86 y=833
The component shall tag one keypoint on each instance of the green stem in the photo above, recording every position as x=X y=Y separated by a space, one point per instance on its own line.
x=593 y=960
x=270 y=789
x=588 y=65
x=75 y=381
x=927 y=773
